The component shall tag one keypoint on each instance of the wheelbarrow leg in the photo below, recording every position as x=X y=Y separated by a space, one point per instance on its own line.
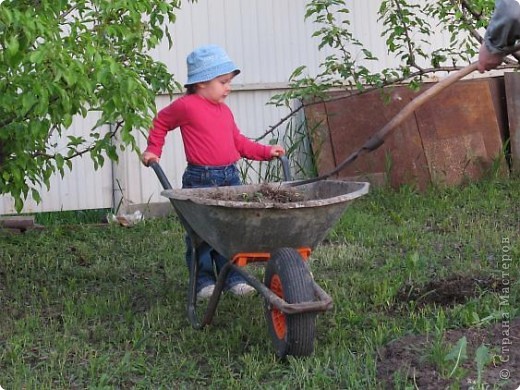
x=192 y=285
x=192 y=289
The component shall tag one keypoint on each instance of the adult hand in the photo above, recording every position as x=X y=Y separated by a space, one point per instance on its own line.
x=488 y=60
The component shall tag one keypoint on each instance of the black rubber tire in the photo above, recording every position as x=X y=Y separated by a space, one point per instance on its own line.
x=288 y=276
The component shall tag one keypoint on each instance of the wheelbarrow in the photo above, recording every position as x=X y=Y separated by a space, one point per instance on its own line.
x=281 y=235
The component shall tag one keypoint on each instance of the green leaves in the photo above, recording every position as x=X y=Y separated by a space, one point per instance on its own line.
x=12 y=53
x=60 y=60
x=482 y=358
x=458 y=354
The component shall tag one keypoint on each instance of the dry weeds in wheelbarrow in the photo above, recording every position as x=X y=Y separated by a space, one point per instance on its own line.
x=264 y=194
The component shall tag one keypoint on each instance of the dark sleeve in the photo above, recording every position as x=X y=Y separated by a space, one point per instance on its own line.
x=504 y=27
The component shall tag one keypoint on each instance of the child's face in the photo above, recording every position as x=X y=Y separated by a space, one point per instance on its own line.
x=217 y=89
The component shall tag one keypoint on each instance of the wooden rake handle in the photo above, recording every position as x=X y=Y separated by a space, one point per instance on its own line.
x=378 y=138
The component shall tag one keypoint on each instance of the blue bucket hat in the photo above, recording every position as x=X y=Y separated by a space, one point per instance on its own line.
x=207 y=62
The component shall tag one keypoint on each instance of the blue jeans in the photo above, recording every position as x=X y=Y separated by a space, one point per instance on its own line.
x=210 y=262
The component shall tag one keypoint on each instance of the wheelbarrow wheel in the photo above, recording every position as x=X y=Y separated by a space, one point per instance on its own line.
x=288 y=276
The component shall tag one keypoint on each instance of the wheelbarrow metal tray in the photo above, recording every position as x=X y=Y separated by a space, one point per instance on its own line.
x=233 y=227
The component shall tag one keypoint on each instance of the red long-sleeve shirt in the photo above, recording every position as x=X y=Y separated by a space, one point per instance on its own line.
x=209 y=133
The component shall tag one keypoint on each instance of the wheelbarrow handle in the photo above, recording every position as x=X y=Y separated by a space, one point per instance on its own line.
x=285 y=166
x=161 y=175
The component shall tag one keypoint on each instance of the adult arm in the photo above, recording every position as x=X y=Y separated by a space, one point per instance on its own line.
x=501 y=34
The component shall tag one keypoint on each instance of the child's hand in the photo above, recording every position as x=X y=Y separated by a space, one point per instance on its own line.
x=277 y=151
x=148 y=157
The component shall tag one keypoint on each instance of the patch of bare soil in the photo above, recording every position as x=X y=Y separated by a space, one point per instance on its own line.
x=411 y=358
x=449 y=292
x=265 y=194
x=408 y=358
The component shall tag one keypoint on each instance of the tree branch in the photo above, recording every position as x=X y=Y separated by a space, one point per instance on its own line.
x=68 y=12
x=48 y=156
x=411 y=59
x=466 y=6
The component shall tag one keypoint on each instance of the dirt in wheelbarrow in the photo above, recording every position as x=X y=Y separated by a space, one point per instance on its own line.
x=427 y=361
x=264 y=194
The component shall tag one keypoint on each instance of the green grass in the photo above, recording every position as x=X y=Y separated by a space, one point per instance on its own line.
x=72 y=217
x=86 y=306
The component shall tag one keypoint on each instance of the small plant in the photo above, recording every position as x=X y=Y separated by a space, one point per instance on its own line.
x=437 y=351
x=457 y=356
x=452 y=362
x=482 y=358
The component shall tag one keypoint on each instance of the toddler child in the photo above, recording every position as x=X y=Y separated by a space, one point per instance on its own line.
x=212 y=143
